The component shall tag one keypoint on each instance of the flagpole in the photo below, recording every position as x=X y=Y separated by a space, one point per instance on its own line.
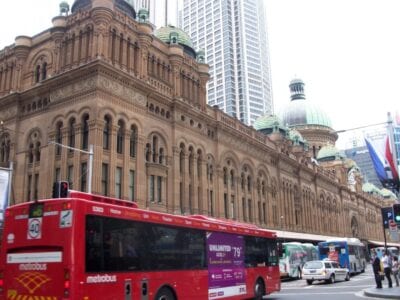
x=392 y=145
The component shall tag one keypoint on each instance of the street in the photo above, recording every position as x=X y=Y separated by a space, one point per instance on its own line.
x=343 y=290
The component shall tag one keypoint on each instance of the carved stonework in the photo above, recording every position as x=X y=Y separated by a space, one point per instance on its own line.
x=8 y=113
x=119 y=90
x=72 y=89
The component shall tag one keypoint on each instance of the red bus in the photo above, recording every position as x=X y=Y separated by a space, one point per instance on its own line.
x=91 y=247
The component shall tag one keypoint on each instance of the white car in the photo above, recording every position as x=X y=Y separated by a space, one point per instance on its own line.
x=327 y=270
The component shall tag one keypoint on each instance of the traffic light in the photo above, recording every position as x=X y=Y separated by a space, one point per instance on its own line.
x=56 y=190
x=396 y=213
x=64 y=189
x=60 y=189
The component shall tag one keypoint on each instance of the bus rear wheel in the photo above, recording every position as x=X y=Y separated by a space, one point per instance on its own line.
x=164 y=294
x=259 y=290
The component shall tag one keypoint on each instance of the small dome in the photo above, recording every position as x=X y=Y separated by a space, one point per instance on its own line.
x=329 y=153
x=388 y=194
x=174 y=35
x=296 y=137
x=266 y=122
x=370 y=188
x=270 y=124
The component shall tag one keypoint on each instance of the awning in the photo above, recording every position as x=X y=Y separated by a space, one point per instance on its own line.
x=379 y=243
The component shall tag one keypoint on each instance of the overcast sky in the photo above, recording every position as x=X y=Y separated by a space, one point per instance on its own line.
x=346 y=51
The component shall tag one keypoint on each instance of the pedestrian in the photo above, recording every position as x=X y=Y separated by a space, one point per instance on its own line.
x=395 y=269
x=376 y=267
x=387 y=267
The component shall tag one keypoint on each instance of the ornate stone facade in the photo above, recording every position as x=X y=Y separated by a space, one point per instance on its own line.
x=99 y=77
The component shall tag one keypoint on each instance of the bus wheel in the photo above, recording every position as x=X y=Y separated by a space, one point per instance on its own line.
x=164 y=294
x=309 y=281
x=259 y=290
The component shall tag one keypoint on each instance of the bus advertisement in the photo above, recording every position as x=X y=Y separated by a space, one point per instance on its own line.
x=348 y=252
x=90 y=247
x=294 y=255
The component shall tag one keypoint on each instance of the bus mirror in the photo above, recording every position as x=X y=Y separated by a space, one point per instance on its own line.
x=280 y=249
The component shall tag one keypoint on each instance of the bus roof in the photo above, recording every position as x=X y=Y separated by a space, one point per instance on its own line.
x=127 y=209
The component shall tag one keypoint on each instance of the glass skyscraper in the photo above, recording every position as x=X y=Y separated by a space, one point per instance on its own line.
x=233 y=35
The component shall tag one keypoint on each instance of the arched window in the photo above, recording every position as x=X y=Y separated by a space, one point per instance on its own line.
x=182 y=159
x=154 y=149
x=232 y=178
x=44 y=70
x=161 y=156
x=249 y=183
x=37 y=151
x=5 y=148
x=30 y=154
x=59 y=137
x=71 y=133
x=120 y=136
x=133 y=141
x=191 y=160
x=37 y=74
x=106 y=133
x=225 y=176
x=85 y=132
x=148 y=152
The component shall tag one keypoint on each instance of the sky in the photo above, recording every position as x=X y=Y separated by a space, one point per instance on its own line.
x=346 y=51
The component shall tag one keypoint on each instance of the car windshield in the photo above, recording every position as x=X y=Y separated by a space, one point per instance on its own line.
x=313 y=265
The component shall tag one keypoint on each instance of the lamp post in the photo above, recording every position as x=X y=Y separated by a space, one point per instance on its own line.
x=90 y=153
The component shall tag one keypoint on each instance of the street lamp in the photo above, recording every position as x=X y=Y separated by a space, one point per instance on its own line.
x=90 y=153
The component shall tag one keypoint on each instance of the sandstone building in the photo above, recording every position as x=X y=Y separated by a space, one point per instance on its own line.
x=101 y=76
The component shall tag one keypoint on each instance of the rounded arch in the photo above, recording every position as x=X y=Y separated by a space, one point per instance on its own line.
x=42 y=54
x=354 y=226
x=107 y=111
x=228 y=154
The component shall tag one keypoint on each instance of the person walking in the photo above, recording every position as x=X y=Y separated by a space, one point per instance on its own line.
x=387 y=267
x=395 y=269
x=376 y=267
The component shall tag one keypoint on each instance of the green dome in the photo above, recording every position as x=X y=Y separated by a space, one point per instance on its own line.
x=165 y=34
x=300 y=111
x=370 y=188
x=174 y=35
x=388 y=194
x=295 y=136
x=268 y=122
x=329 y=153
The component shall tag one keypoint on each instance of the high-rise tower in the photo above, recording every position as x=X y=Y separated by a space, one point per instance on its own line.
x=234 y=37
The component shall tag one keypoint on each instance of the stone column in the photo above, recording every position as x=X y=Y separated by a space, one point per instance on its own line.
x=141 y=174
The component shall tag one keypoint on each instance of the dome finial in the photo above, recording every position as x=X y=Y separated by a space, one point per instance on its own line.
x=297 y=89
x=64 y=8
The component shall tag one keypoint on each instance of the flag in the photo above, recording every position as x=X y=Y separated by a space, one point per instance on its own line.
x=5 y=176
x=382 y=159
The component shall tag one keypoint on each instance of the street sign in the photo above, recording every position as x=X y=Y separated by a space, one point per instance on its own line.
x=387 y=214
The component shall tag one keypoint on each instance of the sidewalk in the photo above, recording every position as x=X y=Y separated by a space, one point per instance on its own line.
x=384 y=293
